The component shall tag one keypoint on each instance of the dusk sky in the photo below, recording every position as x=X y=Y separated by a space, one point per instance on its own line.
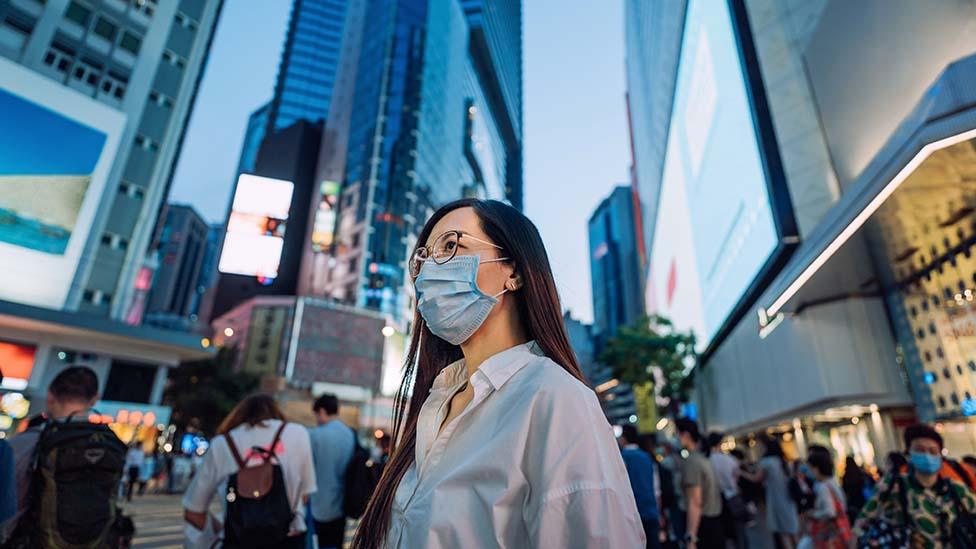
x=575 y=138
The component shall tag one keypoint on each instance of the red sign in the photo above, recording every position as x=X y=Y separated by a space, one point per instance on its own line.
x=16 y=363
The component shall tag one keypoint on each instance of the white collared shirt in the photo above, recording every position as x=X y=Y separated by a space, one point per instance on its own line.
x=530 y=462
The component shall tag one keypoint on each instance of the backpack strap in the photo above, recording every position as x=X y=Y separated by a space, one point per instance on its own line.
x=233 y=450
x=277 y=437
x=964 y=474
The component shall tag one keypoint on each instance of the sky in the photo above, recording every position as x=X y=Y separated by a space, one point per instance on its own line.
x=575 y=130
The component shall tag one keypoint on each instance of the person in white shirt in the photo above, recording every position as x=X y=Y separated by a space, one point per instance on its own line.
x=254 y=422
x=134 y=460
x=733 y=506
x=502 y=444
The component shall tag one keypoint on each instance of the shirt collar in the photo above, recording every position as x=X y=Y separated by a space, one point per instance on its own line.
x=498 y=369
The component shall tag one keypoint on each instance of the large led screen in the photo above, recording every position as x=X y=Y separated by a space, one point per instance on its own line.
x=715 y=229
x=57 y=147
x=256 y=227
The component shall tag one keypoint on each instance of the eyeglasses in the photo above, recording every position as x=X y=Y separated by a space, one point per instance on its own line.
x=442 y=250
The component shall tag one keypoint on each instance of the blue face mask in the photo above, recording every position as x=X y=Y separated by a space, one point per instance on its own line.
x=927 y=464
x=449 y=299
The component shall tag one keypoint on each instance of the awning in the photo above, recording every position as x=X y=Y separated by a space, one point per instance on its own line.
x=835 y=261
x=100 y=333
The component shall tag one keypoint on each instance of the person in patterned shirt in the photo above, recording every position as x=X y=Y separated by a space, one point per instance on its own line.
x=932 y=509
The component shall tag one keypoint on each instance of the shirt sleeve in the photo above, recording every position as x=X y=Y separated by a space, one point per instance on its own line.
x=691 y=472
x=579 y=491
x=205 y=481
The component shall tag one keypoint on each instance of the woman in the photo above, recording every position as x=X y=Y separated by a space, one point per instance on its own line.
x=829 y=526
x=502 y=443
x=855 y=483
x=255 y=422
x=774 y=472
x=894 y=463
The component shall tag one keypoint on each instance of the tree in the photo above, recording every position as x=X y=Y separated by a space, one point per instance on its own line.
x=653 y=351
x=201 y=393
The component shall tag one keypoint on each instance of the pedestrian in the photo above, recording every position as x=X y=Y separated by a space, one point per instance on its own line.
x=752 y=492
x=702 y=494
x=640 y=469
x=8 y=493
x=61 y=499
x=735 y=515
x=253 y=433
x=502 y=444
x=332 y=446
x=135 y=458
x=774 y=473
x=856 y=487
x=923 y=505
x=828 y=523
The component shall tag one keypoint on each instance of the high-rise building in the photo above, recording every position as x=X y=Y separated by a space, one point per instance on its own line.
x=787 y=122
x=181 y=279
x=306 y=73
x=616 y=287
x=254 y=132
x=426 y=126
x=94 y=100
x=140 y=59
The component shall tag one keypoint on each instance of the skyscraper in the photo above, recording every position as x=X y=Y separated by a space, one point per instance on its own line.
x=142 y=60
x=181 y=279
x=436 y=115
x=616 y=283
x=306 y=73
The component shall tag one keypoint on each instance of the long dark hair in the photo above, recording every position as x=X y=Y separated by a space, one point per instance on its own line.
x=539 y=309
x=253 y=410
x=775 y=449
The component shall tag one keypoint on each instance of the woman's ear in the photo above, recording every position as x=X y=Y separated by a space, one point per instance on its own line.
x=514 y=282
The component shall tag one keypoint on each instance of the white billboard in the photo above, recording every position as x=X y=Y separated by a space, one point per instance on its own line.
x=57 y=148
x=715 y=228
x=256 y=227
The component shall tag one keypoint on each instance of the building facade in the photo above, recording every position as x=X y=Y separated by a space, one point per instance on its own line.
x=838 y=308
x=428 y=123
x=141 y=59
x=615 y=277
x=182 y=277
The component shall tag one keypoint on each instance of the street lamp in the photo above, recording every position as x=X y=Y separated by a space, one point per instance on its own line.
x=388 y=331
x=228 y=331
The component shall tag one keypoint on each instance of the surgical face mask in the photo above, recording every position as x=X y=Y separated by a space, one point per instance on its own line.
x=927 y=464
x=449 y=299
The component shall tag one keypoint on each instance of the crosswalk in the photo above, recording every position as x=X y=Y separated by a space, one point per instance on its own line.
x=159 y=522
x=158 y=519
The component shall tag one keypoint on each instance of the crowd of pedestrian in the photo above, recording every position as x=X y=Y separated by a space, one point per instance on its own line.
x=497 y=442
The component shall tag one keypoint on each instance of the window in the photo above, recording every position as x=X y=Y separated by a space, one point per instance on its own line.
x=160 y=99
x=114 y=84
x=78 y=13
x=146 y=143
x=59 y=57
x=146 y=7
x=130 y=42
x=87 y=70
x=106 y=29
x=185 y=21
x=174 y=59
x=89 y=296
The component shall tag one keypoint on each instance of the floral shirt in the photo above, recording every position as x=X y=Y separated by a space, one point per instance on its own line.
x=932 y=510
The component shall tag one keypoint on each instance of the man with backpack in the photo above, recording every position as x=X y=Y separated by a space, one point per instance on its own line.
x=333 y=446
x=67 y=472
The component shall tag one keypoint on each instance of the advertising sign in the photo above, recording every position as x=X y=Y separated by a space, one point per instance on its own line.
x=57 y=147
x=323 y=228
x=715 y=228
x=16 y=363
x=256 y=227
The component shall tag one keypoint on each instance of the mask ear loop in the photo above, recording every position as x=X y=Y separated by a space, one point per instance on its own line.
x=499 y=294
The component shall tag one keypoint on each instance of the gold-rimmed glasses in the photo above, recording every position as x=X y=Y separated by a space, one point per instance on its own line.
x=442 y=250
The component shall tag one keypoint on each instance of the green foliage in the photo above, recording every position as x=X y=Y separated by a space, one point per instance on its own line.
x=653 y=351
x=203 y=392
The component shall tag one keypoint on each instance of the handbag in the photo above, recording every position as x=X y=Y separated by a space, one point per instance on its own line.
x=738 y=509
x=832 y=533
x=880 y=533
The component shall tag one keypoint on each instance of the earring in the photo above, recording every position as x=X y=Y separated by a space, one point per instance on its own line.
x=511 y=285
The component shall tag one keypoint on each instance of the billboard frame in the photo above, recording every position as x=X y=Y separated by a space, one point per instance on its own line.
x=780 y=202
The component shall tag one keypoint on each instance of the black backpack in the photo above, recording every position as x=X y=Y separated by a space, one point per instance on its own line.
x=360 y=481
x=75 y=477
x=258 y=511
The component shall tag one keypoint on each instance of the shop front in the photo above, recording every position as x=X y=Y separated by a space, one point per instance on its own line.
x=902 y=238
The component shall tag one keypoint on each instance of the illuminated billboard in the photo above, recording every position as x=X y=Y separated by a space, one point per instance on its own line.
x=716 y=229
x=256 y=227
x=323 y=227
x=57 y=147
x=16 y=364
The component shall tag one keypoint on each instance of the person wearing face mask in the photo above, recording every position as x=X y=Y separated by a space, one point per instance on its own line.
x=497 y=439
x=931 y=507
